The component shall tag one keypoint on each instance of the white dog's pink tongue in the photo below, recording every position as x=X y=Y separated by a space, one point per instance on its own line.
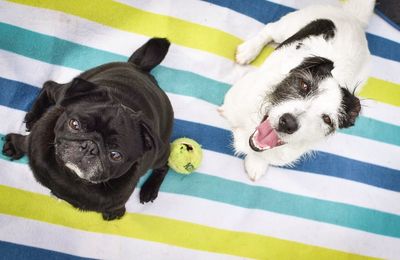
x=266 y=137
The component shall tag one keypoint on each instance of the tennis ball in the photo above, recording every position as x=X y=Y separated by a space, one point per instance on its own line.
x=185 y=156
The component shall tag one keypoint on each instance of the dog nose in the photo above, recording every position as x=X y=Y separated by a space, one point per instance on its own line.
x=288 y=124
x=89 y=147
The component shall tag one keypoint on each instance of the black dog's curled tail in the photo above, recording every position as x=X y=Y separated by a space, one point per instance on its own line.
x=150 y=54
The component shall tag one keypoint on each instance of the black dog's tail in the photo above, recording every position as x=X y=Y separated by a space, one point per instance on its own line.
x=150 y=54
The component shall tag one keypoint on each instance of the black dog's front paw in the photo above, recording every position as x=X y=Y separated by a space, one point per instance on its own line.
x=30 y=119
x=10 y=147
x=149 y=192
x=115 y=214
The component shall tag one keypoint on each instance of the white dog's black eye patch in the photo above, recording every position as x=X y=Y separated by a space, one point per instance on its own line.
x=324 y=27
x=303 y=80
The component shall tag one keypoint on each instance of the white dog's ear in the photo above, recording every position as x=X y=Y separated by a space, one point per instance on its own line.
x=150 y=54
x=351 y=106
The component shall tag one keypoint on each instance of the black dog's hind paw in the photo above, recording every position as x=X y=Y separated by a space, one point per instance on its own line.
x=10 y=147
x=116 y=214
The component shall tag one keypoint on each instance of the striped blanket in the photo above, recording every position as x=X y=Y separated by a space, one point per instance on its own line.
x=341 y=202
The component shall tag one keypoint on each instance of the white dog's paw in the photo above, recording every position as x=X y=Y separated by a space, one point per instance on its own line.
x=255 y=167
x=220 y=111
x=248 y=51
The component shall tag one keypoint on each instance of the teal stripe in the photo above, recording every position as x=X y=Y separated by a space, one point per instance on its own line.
x=61 y=52
x=256 y=197
x=376 y=130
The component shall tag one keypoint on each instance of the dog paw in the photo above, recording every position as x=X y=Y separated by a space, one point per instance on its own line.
x=115 y=214
x=29 y=120
x=255 y=167
x=148 y=194
x=149 y=191
x=248 y=51
x=10 y=149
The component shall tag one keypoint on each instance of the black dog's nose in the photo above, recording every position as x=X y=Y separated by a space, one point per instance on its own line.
x=90 y=147
x=288 y=124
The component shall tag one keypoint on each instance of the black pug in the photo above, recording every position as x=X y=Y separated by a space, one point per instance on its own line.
x=93 y=138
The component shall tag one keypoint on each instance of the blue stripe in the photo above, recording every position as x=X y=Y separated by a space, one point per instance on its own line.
x=14 y=251
x=321 y=163
x=171 y=80
x=266 y=12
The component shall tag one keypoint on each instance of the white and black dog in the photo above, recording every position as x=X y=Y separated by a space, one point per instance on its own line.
x=305 y=90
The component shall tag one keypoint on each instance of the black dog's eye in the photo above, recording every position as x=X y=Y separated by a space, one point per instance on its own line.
x=115 y=156
x=305 y=88
x=74 y=124
x=327 y=120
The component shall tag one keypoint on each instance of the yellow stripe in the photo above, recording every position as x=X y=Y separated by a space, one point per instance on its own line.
x=130 y=19
x=138 y=21
x=381 y=90
x=152 y=228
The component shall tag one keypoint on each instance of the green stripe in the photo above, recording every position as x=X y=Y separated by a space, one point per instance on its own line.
x=45 y=48
x=153 y=228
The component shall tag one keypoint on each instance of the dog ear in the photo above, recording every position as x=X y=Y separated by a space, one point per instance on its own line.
x=351 y=106
x=150 y=54
x=78 y=87
x=150 y=140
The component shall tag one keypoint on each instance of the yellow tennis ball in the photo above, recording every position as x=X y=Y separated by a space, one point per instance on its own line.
x=185 y=156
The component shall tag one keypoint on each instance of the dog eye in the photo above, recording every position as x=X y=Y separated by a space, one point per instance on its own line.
x=74 y=124
x=115 y=156
x=327 y=120
x=305 y=88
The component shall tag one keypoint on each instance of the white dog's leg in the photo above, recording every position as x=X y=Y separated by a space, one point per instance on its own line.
x=255 y=166
x=248 y=50
x=279 y=31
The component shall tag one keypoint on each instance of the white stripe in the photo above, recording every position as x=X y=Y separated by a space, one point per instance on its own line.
x=301 y=183
x=217 y=17
x=93 y=245
x=195 y=110
x=35 y=73
x=98 y=36
x=260 y=222
x=381 y=111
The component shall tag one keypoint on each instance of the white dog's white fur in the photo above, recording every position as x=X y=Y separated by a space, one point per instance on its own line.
x=319 y=113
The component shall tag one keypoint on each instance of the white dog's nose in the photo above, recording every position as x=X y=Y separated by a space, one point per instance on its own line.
x=288 y=124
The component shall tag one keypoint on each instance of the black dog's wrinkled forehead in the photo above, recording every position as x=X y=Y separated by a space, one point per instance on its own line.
x=117 y=125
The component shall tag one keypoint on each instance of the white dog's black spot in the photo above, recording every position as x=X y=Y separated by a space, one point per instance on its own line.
x=302 y=81
x=324 y=27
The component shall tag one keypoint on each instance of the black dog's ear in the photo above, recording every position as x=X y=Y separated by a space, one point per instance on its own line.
x=78 y=87
x=83 y=89
x=351 y=106
x=150 y=54
x=150 y=141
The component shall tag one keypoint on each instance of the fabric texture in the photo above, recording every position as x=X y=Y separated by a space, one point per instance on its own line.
x=340 y=202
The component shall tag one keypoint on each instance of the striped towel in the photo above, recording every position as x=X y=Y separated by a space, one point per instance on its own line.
x=342 y=202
